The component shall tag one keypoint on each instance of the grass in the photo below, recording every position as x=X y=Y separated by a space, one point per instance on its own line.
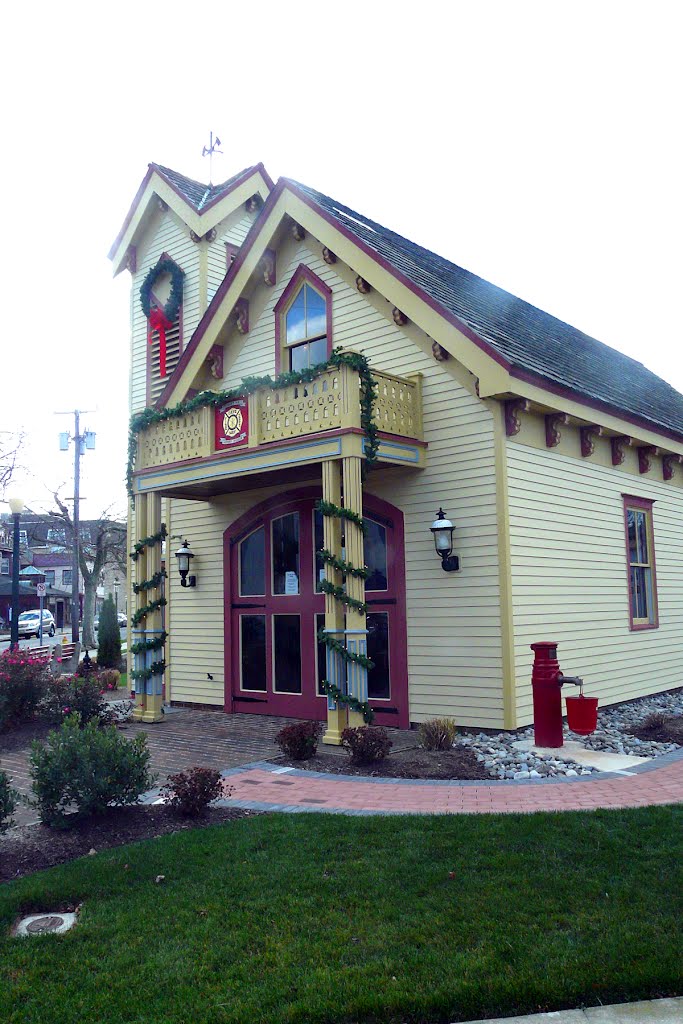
x=305 y=919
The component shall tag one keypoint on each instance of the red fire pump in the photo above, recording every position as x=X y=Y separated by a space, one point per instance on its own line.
x=547 y=681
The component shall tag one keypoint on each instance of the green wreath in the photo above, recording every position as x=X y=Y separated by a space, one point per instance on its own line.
x=172 y=307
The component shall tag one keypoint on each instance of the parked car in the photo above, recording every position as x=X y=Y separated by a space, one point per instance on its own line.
x=29 y=623
x=123 y=621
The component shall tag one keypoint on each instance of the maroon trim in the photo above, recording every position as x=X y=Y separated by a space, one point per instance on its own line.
x=231 y=251
x=645 y=505
x=593 y=403
x=617 y=445
x=645 y=453
x=155 y=169
x=371 y=504
x=301 y=274
x=513 y=408
x=553 y=422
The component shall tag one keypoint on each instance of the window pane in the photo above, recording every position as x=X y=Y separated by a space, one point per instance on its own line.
x=639 y=593
x=319 y=544
x=641 y=527
x=296 y=320
x=253 y=652
x=286 y=554
x=631 y=526
x=378 y=652
x=315 y=313
x=317 y=352
x=287 y=653
x=253 y=563
x=376 y=556
x=298 y=358
x=321 y=651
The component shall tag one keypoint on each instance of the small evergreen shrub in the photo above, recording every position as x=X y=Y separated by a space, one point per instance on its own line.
x=366 y=744
x=109 y=678
x=190 y=793
x=22 y=686
x=8 y=802
x=80 y=772
x=109 y=636
x=437 y=734
x=299 y=741
x=74 y=695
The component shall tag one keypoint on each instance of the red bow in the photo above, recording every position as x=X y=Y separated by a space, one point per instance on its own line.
x=158 y=321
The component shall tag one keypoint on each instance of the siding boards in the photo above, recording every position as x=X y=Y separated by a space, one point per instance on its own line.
x=447 y=613
x=569 y=575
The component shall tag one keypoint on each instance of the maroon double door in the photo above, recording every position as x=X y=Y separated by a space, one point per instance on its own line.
x=274 y=608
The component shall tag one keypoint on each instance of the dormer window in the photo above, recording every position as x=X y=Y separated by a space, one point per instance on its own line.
x=162 y=297
x=303 y=323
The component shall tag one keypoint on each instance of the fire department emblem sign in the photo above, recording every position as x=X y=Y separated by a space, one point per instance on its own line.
x=232 y=424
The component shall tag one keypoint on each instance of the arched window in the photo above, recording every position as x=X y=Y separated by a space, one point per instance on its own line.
x=303 y=323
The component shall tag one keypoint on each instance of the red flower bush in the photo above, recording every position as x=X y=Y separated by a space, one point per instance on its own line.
x=23 y=684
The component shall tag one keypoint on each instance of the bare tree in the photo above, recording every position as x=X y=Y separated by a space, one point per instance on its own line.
x=10 y=447
x=102 y=542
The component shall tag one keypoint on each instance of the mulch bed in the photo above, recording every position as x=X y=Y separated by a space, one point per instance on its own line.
x=414 y=763
x=660 y=728
x=32 y=848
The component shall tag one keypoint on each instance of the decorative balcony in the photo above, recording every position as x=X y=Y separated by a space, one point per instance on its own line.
x=328 y=405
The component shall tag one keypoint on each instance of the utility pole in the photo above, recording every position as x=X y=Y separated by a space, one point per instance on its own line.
x=87 y=440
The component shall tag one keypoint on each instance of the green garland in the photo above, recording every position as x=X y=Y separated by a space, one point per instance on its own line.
x=149 y=645
x=346 y=567
x=341 y=650
x=212 y=399
x=157 y=668
x=172 y=307
x=362 y=706
x=151 y=583
x=328 y=508
x=148 y=542
x=340 y=595
x=153 y=606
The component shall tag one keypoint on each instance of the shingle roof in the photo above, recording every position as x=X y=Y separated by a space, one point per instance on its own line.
x=525 y=336
x=195 y=192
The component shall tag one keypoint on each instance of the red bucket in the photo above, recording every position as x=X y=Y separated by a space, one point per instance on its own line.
x=582 y=714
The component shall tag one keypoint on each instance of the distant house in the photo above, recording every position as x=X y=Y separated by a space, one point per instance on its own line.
x=557 y=460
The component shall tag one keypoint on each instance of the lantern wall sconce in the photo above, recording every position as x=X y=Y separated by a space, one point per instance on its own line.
x=442 y=532
x=184 y=554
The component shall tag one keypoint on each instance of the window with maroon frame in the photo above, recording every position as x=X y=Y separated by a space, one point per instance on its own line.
x=640 y=555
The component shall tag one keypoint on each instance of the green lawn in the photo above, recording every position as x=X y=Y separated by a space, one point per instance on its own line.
x=321 y=918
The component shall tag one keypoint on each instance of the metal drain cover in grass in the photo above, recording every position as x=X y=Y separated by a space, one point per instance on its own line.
x=44 y=924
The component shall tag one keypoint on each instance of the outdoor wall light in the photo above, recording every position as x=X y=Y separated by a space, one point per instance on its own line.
x=442 y=531
x=184 y=554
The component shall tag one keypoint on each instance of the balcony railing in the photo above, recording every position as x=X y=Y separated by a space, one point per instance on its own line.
x=330 y=402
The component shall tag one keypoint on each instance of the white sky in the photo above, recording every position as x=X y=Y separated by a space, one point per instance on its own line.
x=534 y=143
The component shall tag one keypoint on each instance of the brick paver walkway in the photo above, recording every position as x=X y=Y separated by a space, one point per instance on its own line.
x=267 y=787
x=242 y=745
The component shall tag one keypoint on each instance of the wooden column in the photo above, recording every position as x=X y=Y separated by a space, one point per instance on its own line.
x=334 y=610
x=137 y=633
x=153 y=622
x=356 y=631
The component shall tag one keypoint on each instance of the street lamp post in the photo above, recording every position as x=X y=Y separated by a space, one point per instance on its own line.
x=116 y=594
x=16 y=507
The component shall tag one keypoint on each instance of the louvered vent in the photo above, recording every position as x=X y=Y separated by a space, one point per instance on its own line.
x=173 y=348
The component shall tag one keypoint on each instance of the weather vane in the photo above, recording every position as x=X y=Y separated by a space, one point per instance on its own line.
x=209 y=151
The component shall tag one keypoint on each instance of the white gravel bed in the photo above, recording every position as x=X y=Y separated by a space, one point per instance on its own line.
x=506 y=762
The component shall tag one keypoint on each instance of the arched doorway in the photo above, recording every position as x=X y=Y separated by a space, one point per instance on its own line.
x=274 y=608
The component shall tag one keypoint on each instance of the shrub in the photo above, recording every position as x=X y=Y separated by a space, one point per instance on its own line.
x=366 y=744
x=109 y=678
x=190 y=793
x=437 y=734
x=109 y=636
x=299 y=741
x=22 y=686
x=80 y=772
x=8 y=801
x=69 y=695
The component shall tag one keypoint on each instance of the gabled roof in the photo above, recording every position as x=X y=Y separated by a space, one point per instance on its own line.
x=190 y=199
x=530 y=340
x=197 y=194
